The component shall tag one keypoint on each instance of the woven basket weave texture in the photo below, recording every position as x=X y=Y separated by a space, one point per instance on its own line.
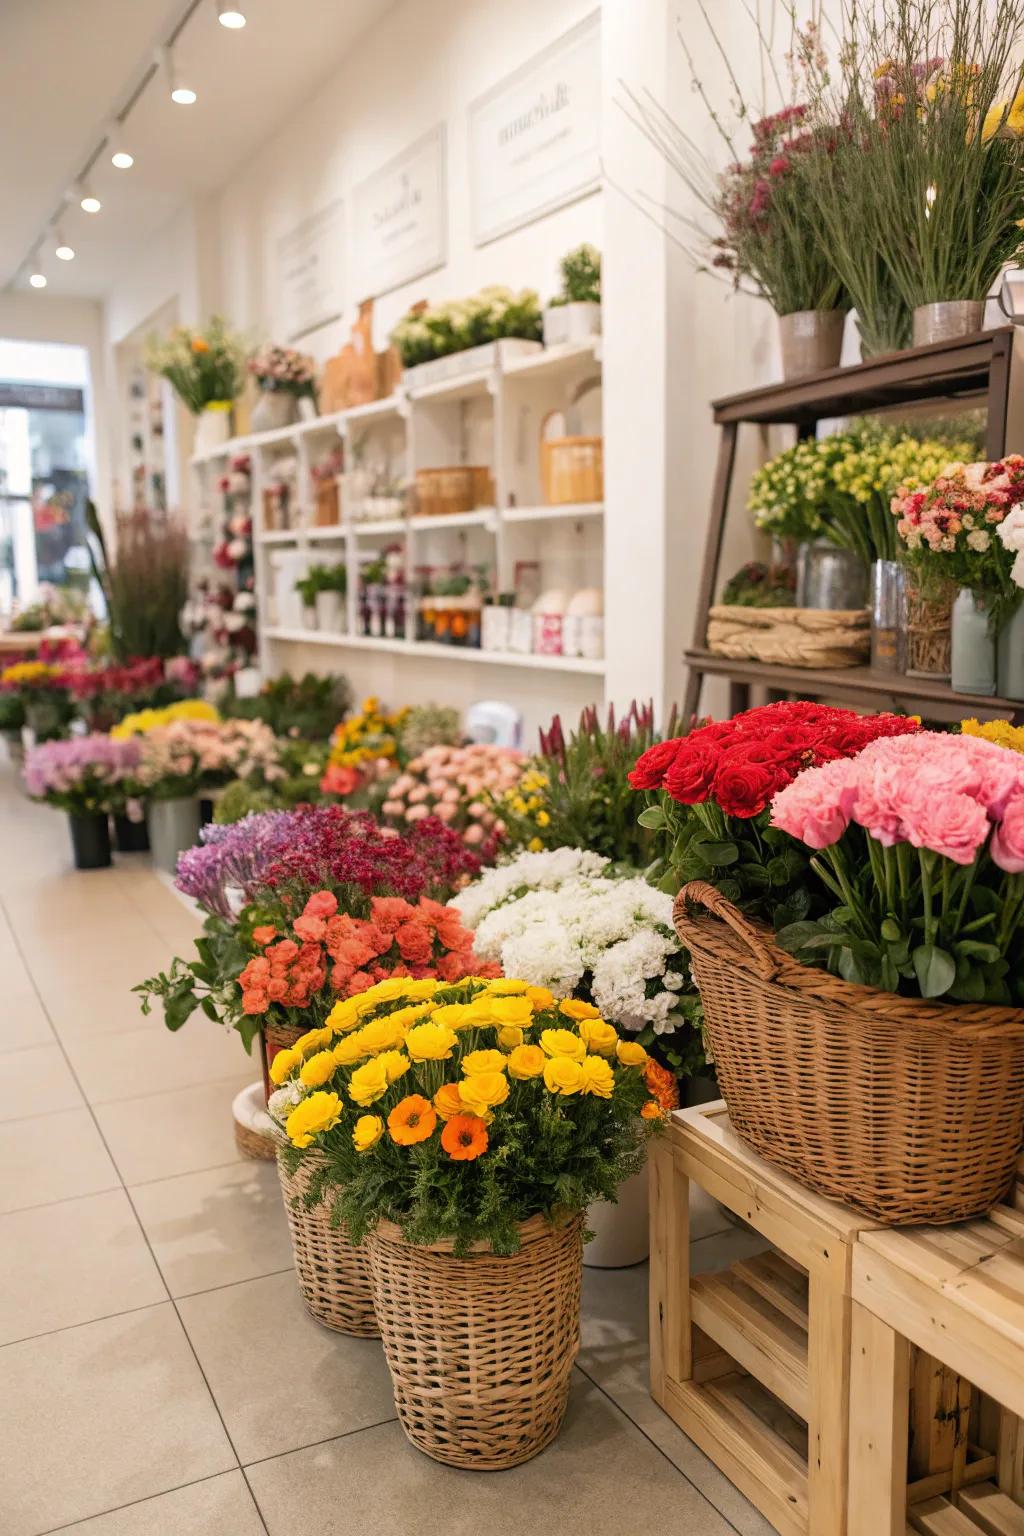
x=905 y=1109
x=334 y=1275
x=481 y=1348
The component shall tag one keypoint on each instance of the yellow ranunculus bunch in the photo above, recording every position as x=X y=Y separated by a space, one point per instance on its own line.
x=145 y=720
x=27 y=674
x=369 y=736
x=460 y=1110
x=1000 y=731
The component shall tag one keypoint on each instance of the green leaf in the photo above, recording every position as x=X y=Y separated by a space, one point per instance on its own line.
x=976 y=950
x=670 y=883
x=888 y=976
x=935 y=970
x=653 y=818
x=715 y=854
x=891 y=931
x=796 y=936
x=730 y=889
x=794 y=909
x=179 y=1006
x=850 y=969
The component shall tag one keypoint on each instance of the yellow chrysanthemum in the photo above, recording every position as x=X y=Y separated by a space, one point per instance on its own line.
x=403 y=1018
x=448 y=1101
x=315 y=1115
x=562 y=1042
x=482 y=1061
x=541 y=998
x=511 y=1010
x=454 y=1016
x=366 y=1132
x=430 y=1042
x=509 y=1036
x=395 y=1063
x=630 y=1054
x=598 y=1077
x=599 y=1037
x=348 y=1051
x=368 y=1083
x=507 y=986
x=283 y=1065
x=575 y=1009
x=379 y=1035
x=563 y=1075
x=526 y=1061
x=483 y=1092
x=318 y=1069
x=344 y=1016
x=313 y=1040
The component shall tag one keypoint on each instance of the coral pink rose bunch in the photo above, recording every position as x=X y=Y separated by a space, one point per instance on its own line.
x=920 y=843
x=461 y=786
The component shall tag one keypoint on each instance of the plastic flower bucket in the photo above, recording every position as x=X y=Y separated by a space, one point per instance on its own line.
x=90 y=841
x=480 y=1348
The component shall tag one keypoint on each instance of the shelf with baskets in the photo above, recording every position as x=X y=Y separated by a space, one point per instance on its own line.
x=985 y=369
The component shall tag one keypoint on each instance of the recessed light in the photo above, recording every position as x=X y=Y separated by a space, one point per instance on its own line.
x=38 y=279
x=230 y=16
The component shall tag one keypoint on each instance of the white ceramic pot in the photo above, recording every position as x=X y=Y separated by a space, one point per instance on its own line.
x=307 y=408
x=308 y=616
x=213 y=427
x=621 y=1231
x=330 y=612
x=567 y=323
x=275 y=408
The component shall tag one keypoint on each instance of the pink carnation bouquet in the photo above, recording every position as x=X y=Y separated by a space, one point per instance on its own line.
x=461 y=786
x=920 y=841
x=185 y=756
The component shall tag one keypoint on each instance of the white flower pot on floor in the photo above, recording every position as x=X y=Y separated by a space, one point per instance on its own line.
x=621 y=1231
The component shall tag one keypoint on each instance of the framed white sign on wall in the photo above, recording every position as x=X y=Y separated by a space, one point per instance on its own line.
x=534 y=138
x=400 y=218
x=311 y=260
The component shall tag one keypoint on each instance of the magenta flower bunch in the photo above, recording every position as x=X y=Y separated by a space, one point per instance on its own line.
x=919 y=840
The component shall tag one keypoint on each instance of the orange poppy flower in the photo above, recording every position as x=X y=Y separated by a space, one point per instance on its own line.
x=464 y=1137
x=652 y=1110
x=412 y=1120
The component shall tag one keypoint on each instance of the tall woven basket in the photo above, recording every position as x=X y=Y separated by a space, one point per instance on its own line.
x=480 y=1348
x=908 y=1110
x=334 y=1275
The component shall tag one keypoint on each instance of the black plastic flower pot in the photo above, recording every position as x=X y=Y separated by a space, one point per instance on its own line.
x=90 y=840
x=130 y=836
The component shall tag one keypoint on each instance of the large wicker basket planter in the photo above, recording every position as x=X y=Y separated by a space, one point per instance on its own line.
x=481 y=1348
x=334 y=1275
x=908 y=1110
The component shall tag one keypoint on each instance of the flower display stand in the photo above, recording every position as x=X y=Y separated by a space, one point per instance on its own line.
x=753 y=1362
x=984 y=369
x=937 y=1378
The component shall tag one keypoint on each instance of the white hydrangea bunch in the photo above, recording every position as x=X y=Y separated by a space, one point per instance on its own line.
x=529 y=872
x=555 y=920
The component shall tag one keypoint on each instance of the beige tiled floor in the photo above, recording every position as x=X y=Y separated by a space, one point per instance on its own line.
x=159 y=1375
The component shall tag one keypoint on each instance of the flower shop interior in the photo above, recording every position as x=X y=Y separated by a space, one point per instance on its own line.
x=512 y=781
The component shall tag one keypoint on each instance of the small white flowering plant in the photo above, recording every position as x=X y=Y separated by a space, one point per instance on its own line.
x=562 y=920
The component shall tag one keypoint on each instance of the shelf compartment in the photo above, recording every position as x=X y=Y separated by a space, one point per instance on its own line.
x=757 y=1332
x=427 y=649
x=979 y=1511
x=753 y=1439
x=381 y=529
x=561 y=359
x=479 y=517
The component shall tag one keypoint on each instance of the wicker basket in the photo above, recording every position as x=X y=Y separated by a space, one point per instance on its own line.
x=797 y=637
x=929 y=633
x=908 y=1110
x=327 y=510
x=572 y=470
x=480 y=1349
x=459 y=488
x=334 y=1275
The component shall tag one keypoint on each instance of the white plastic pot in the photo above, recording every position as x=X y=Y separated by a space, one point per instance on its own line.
x=621 y=1231
x=568 y=323
x=330 y=612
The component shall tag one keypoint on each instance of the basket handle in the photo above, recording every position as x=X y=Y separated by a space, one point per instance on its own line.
x=705 y=895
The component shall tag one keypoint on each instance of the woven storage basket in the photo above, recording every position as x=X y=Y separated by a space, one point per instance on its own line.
x=334 y=1275
x=572 y=469
x=798 y=637
x=457 y=488
x=929 y=633
x=908 y=1110
x=481 y=1348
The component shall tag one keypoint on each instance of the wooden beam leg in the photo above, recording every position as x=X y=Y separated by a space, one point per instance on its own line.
x=671 y=1345
x=1010 y=1461
x=879 y=1427
x=940 y=1403
x=828 y=1370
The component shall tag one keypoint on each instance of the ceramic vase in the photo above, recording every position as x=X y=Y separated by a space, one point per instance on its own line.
x=974 y=651
x=812 y=341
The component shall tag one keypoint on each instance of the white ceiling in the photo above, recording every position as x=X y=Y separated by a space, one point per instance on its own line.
x=67 y=65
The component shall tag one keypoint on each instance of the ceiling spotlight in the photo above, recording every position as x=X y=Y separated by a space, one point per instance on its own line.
x=230 y=16
x=181 y=93
x=37 y=278
x=120 y=155
x=62 y=250
x=87 y=200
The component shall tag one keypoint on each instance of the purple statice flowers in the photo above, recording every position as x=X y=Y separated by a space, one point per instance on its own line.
x=223 y=871
x=84 y=775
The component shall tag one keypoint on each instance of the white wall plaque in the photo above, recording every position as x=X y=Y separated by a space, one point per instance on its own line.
x=534 y=139
x=400 y=218
x=311 y=259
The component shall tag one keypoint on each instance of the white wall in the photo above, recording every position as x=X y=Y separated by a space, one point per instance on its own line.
x=29 y=315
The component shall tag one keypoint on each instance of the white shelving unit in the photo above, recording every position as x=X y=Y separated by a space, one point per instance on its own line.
x=491 y=417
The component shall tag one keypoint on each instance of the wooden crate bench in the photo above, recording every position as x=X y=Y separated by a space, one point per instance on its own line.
x=937 y=1364
x=753 y=1362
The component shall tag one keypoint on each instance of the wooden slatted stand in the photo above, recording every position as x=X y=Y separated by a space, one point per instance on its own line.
x=937 y=1379
x=752 y=1363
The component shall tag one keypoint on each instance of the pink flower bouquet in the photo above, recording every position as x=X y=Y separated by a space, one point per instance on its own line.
x=461 y=786
x=920 y=841
x=185 y=756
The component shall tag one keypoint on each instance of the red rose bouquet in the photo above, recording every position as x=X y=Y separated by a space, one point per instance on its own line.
x=709 y=794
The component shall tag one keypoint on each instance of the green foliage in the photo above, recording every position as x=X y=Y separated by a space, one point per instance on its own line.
x=202 y=367
x=307 y=708
x=147 y=584
x=756 y=585
x=436 y=330
x=209 y=983
x=322 y=578
x=581 y=277
x=12 y=711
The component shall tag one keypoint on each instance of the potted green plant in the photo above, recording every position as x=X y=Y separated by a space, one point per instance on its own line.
x=440 y=341
x=308 y=587
x=575 y=313
x=206 y=371
x=330 y=598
